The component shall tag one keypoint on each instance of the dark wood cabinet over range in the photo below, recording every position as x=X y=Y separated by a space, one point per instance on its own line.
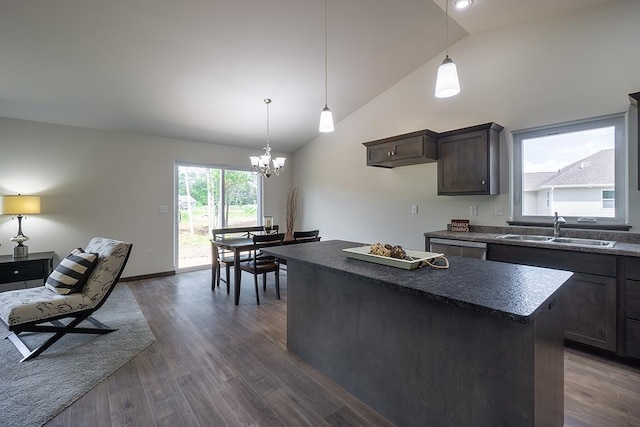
x=403 y=150
x=468 y=158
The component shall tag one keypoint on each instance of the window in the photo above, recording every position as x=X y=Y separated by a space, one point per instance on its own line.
x=575 y=169
x=608 y=199
x=208 y=198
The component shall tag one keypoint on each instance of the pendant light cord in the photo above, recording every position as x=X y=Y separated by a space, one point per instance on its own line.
x=326 y=60
x=446 y=25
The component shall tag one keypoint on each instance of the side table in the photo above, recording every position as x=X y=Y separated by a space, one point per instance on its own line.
x=36 y=265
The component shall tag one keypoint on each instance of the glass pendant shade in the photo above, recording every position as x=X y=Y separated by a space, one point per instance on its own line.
x=326 y=120
x=447 y=83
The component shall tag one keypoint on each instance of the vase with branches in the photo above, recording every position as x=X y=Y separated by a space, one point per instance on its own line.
x=292 y=212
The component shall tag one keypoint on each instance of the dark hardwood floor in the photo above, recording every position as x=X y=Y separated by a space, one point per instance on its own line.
x=216 y=364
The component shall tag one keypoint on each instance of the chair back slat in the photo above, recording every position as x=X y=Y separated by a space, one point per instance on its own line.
x=306 y=236
x=265 y=240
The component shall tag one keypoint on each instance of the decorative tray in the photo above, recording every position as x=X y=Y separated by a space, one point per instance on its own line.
x=413 y=260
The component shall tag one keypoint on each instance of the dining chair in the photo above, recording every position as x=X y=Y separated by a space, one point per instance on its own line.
x=225 y=256
x=262 y=263
x=306 y=236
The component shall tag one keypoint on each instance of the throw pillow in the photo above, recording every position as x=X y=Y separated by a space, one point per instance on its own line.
x=72 y=273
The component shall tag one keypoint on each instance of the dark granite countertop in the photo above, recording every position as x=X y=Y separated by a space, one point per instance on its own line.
x=620 y=248
x=509 y=291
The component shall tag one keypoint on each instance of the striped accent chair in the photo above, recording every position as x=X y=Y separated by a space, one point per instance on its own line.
x=42 y=309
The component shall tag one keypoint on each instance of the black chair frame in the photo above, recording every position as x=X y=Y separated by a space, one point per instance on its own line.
x=263 y=264
x=59 y=328
x=225 y=259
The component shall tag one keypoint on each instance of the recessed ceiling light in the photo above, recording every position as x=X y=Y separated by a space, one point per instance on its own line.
x=462 y=4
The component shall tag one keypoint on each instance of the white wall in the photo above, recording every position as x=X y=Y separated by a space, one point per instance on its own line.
x=96 y=183
x=573 y=67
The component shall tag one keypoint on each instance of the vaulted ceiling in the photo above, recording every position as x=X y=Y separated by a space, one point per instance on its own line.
x=200 y=69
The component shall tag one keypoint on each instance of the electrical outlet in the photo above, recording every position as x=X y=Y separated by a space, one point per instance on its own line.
x=163 y=209
x=473 y=210
x=497 y=210
x=151 y=254
x=414 y=209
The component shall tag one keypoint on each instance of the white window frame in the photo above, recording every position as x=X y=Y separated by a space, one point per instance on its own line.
x=176 y=230
x=617 y=120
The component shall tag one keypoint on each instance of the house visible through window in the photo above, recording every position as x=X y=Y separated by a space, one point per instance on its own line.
x=574 y=169
x=608 y=199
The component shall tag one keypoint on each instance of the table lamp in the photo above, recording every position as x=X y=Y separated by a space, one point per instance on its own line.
x=20 y=206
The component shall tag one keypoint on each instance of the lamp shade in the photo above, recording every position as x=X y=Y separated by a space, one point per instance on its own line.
x=20 y=205
x=447 y=83
x=326 y=120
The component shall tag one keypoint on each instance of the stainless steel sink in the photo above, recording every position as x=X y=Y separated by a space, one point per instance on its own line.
x=583 y=242
x=559 y=240
x=526 y=237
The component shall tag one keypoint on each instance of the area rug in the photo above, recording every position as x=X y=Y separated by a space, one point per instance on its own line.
x=33 y=392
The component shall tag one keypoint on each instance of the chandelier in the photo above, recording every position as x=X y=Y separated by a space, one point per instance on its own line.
x=264 y=165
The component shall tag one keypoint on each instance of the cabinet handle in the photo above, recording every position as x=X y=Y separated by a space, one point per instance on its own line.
x=16 y=272
x=483 y=182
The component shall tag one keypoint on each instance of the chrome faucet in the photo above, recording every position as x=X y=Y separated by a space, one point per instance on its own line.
x=557 y=222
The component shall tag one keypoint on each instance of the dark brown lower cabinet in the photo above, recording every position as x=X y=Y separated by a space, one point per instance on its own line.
x=632 y=305
x=590 y=297
x=633 y=338
x=590 y=310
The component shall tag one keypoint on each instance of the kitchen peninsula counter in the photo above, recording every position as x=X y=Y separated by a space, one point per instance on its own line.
x=479 y=343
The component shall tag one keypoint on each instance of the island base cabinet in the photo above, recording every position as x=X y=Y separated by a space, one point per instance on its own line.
x=423 y=362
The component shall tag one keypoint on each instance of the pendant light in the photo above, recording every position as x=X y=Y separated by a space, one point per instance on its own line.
x=447 y=83
x=326 y=118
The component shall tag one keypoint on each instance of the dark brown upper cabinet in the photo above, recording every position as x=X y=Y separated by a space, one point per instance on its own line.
x=469 y=161
x=403 y=150
x=634 y=99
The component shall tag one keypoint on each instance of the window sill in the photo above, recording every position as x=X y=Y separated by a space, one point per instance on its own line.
x=610 y=227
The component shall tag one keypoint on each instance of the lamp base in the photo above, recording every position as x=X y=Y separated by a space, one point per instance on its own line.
x=21 y=251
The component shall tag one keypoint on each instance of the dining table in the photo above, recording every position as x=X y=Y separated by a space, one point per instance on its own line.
x=237 y=244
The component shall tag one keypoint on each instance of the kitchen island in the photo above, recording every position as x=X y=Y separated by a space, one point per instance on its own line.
x=479 y=343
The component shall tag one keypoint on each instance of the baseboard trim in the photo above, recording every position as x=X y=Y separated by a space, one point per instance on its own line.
x=148 y=276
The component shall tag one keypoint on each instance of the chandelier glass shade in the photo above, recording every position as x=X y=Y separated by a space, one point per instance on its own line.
x=265 y=165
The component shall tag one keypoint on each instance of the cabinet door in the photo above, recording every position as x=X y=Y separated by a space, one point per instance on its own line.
x=633 y=299
x=633 y=338
x=402 y=152
x=590 y=310
x=463 y=164
x=590 y=295
x=379 y=153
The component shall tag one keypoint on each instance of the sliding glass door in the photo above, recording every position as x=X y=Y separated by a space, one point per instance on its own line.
x=211 y=197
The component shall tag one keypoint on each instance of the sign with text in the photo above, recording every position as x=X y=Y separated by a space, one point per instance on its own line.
x=460 y=225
